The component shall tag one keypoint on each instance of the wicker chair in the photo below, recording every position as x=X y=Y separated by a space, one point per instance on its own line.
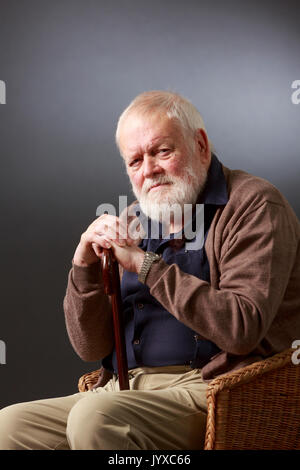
x=256 y=407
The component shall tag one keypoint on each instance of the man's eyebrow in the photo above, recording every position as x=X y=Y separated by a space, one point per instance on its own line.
x=133 y=153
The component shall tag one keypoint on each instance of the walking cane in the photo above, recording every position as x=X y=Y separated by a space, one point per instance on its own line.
x=111 y=280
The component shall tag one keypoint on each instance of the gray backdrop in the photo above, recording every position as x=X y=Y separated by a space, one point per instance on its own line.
x=70 y=68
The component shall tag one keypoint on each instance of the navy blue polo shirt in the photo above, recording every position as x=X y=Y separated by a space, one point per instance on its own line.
x=154 y=337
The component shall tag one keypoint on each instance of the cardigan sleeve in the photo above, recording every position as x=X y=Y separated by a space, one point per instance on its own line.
x=254 y=272
x=88 y=313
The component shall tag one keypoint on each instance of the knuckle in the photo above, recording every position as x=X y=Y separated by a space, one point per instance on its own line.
x=83 y=237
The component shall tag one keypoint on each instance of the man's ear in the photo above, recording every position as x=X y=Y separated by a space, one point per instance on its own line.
x=203 y=146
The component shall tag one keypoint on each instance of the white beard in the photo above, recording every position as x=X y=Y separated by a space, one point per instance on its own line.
x=171 y=198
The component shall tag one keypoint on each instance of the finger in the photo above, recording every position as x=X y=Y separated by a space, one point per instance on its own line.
x=103 y=242
x=96 y=242
x=112 y=221
x=111 y=234
x=111 y=224
x=97 y=249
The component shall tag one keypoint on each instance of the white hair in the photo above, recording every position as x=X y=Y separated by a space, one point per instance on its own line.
x=171 y=104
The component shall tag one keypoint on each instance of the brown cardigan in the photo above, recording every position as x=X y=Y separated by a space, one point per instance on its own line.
x=251 y=307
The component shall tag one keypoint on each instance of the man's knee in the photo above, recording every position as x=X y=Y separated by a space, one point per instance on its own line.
x=96 y=423
x=12 y=425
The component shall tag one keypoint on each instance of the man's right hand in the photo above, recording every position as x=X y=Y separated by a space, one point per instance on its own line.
x=97 y=236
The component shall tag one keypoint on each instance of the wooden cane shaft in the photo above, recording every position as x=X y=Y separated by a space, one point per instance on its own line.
x=111 y=279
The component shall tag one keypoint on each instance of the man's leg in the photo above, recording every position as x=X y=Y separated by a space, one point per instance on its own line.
x=165 y=410
x=37 y=425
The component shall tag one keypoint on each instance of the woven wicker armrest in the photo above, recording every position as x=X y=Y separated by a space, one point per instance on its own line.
x=256 y=407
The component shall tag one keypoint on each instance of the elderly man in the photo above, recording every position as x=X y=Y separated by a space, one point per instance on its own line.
x=191 y=312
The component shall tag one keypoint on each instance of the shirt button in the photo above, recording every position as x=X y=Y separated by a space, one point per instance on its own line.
x=140 y=306
x=136 y=341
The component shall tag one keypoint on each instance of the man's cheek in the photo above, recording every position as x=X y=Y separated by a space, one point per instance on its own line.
x=137 y=183
x=175 y=166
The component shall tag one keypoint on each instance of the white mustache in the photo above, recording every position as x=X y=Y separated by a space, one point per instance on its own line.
x=148 y=184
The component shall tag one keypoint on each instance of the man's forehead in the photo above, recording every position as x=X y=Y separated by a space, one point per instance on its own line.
x=148 y=129
x=147 y=122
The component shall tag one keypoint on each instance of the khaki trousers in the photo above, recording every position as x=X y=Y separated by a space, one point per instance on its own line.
x=165 y=408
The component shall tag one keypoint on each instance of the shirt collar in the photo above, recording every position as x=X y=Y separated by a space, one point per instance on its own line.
x=215 y=190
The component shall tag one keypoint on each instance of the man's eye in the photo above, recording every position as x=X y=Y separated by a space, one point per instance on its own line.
x=164 y=150
x=134 y=162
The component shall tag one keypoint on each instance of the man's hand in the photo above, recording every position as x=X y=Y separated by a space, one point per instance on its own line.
x=108 y=231
x=130 y=257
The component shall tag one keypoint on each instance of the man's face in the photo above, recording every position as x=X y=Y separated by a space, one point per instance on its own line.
x=163 y=165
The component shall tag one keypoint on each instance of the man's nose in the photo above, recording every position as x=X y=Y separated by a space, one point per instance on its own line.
x=150 y=166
